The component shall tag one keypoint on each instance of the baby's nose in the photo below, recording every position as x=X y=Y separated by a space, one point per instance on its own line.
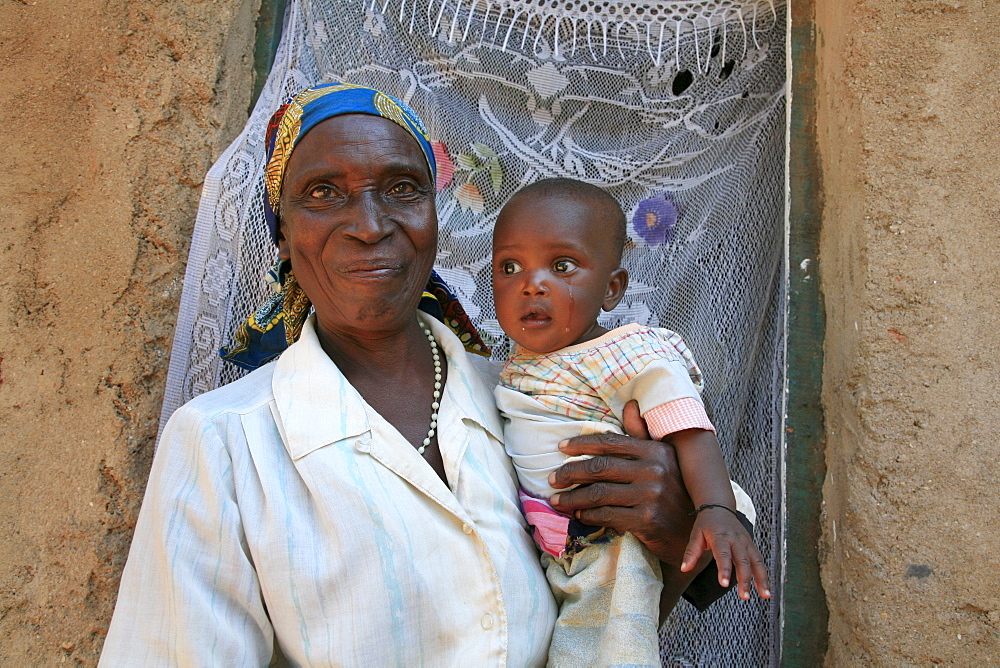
x=534 y=284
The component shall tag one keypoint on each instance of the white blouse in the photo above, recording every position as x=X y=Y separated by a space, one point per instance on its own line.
x=284 y=516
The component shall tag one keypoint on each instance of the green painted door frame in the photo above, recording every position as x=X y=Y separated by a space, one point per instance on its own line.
x=270 y=20
x=804 y=613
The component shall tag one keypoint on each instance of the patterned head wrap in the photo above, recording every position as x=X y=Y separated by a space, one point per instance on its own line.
x=278 y=322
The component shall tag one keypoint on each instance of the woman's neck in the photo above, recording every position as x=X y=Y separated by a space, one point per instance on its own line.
x=395 y=375
x=365 y=355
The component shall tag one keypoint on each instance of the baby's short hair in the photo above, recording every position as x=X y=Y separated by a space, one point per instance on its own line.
x=557 y=186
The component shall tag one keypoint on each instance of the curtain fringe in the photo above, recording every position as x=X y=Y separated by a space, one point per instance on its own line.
x=499 y=22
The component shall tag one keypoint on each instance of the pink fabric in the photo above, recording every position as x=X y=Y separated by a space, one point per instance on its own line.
x=550 y=525
x=677 y=415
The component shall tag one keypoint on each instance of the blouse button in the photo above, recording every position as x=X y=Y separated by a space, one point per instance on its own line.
x=363 y=445
x=487 y=621
x=466 y=529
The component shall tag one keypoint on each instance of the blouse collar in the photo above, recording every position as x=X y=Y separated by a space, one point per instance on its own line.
x=316 y=405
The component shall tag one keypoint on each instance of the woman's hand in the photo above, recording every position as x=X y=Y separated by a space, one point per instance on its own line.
x=632 y=484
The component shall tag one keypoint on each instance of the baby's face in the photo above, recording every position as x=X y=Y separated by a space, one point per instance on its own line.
x=552 y=261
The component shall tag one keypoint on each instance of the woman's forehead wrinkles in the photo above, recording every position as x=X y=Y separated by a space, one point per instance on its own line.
x=337 y=154
x=342 y=166
x=379 y=143
x=378 y=176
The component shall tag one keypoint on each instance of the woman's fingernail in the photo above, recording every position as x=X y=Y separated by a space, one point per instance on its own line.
x=552 y=478
x=563 y=443
x=725 y=582
x=554 y=499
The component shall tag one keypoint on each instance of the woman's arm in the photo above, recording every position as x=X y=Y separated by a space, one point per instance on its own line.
x=189 y=594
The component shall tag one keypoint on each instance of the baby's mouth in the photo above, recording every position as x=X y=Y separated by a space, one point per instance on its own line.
x=535 y=317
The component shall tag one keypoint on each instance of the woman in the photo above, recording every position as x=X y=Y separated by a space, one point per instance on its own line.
x=352 y=502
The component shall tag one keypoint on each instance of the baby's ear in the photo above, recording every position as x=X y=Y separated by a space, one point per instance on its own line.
x=617 y=284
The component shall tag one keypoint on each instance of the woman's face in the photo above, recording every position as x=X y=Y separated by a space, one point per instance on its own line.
x=358 y=223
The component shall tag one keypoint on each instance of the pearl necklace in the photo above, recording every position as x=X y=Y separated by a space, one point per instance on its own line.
x=435 y=404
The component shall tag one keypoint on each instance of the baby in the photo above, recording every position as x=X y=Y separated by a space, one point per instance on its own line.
x=557 y=250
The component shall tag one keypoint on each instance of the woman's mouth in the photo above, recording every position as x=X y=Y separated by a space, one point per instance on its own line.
x=372 y=269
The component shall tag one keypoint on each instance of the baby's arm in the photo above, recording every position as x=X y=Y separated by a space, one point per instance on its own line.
x=716 y=528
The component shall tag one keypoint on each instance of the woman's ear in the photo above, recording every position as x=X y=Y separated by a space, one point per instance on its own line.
x=283 y=251
x=617 y=284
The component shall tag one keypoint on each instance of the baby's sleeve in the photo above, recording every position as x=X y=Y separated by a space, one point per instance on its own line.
x=664 y=380
x=668 y=400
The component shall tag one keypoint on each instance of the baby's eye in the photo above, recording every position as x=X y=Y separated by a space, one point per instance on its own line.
x=563 y=266
x=510 y=267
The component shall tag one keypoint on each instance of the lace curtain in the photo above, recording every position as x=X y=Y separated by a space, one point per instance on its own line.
x=676 y=108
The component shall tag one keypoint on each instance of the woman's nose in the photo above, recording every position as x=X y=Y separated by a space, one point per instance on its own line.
x=368 y=222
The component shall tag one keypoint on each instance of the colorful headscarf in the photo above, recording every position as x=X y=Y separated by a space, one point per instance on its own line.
x=302 y=112
x=277 y=323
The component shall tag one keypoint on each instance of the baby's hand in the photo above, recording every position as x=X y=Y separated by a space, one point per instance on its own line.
x=719 y=530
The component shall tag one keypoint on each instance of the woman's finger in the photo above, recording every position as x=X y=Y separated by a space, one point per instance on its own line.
x=594 y=496
x=603 y=469
x=615 y=445
x=619 y=518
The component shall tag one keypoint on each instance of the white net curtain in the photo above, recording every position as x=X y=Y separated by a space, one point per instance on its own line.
x=676 y=108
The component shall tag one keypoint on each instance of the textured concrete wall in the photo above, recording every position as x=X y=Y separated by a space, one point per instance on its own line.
x=113 y=112
x=908 y=115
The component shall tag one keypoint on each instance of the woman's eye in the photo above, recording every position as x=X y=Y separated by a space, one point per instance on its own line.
x=402 y=188
x=510 y=267
x=321 y=192
x=563 y=266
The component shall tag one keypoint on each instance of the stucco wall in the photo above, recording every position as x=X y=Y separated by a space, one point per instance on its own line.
x=113 y=112
x=908 y=116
